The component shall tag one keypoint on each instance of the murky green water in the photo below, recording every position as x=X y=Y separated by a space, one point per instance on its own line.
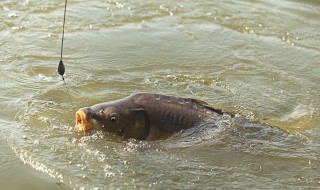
x=258 y=58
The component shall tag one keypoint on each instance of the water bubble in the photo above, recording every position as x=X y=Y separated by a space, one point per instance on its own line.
x=79 y=127
x=119 y=5
x=109 y=174
x=13 y=15
x=107 y=167
x=36 y=142
x=74 y=141
x=15 y=28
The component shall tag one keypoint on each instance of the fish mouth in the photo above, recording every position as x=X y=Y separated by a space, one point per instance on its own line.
x=83 y=122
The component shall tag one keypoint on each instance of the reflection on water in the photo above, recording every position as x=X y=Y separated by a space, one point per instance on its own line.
x=257 y=58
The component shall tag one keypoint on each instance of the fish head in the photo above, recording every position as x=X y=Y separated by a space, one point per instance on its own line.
x=121 y=120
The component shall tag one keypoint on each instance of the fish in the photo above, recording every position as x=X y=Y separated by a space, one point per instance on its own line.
x=147 y=116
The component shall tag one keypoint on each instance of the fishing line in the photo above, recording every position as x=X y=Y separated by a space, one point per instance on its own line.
x=61 y=68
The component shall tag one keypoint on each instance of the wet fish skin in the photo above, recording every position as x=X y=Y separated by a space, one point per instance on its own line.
x=146 y=116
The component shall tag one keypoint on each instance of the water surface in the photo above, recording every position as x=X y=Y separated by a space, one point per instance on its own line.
x=257 y=58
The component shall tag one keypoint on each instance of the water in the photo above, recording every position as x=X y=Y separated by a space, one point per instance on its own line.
x=258 y=58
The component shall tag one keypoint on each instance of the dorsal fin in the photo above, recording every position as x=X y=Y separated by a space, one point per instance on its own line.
x=209 y=107
x=219 y=111
x=198 y=101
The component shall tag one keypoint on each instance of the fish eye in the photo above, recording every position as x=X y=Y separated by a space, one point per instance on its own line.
x=113 y=116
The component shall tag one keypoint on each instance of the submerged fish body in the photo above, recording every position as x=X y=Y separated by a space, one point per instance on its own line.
x=146 y=116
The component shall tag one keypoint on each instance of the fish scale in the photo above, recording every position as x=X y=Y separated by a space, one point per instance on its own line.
x=146 y=114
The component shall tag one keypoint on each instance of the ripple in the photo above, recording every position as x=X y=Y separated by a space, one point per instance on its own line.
x=26 y=158
x=4 y=158
x=227 y=54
